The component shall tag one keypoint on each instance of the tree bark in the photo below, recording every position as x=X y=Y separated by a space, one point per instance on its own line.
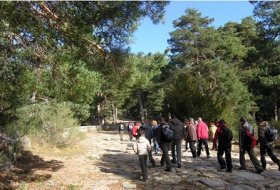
x=116 y=113
x=113 y=114
x=275 y=110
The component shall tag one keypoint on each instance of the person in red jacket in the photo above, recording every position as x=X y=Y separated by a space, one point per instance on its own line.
x=216 y=136
x=202 y=136
x=135 y=130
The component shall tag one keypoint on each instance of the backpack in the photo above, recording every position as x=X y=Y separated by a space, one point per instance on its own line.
x=167 y=134
x=271 y=134
x=251 y=139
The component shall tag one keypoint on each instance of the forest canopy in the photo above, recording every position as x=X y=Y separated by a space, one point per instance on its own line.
x=76 y=54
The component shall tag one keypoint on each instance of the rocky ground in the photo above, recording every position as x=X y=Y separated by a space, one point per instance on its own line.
x=109 y=164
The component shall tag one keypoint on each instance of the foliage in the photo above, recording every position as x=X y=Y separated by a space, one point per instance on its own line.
x=78 y=52
x=269 y=15
x=147 y=86
x=193 y=40
x=60 y=49
x=50 y=123
x=208 y=85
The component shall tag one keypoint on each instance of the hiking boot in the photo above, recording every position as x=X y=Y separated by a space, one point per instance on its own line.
x=242 y=168
x=144 y=180
x=264 y=168
x=167 y=170
x=259 y=171
x=229 y=170
x=173 y=161
x=221 y=169
x=179 y=166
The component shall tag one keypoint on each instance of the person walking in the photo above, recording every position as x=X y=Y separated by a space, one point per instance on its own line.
x=135 y=130
x=121 y=131
x=202 y=136
x=214 y=147
x=212 y=131
x=164 y=144
x=129 y=130
x=266 y=146
x=149 y=135
x=191 y=136
x=154 y=127
x=246 y=144
x=224 y=146
x=179 y=134
x=141 y=148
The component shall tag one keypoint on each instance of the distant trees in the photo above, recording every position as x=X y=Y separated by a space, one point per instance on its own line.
x=207 y=84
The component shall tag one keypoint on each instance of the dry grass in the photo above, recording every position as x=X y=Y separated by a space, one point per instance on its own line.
x=52 y=151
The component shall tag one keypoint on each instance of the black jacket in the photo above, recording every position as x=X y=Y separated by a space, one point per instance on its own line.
x=178 y=128
x=149 y=134
x=158 y=133
x=224 y=137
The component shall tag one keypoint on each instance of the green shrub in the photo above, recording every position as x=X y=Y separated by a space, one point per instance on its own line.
x=276 y=124
x=51 y=123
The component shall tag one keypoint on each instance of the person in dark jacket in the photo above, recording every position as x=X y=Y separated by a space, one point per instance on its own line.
x=149 y=135
x=121 y=131
x=265 y=146
x=224 y=146
x=191 y=136
x=179 y=134
x=245 y=144
x=164 y=145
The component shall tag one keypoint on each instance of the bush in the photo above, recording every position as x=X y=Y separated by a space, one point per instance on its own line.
x=48 y=123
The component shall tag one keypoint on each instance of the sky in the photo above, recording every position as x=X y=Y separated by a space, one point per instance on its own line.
x=151 y=38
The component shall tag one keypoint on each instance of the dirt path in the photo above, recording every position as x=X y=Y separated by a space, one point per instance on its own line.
x=105 y=162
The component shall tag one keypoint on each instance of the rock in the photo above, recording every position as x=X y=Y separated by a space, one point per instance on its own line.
x=182 y=172
x=171 y=179
x=250 y=176
x=272 y=174
x=158 y=178
x=240 y=187
x=272 y=184
x=214 y=183
x=128 y=185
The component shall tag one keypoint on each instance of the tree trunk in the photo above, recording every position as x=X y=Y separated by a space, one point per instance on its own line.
x=98 y=114
x=275 y=106
x=116 y=114
x=275 y=110
x=113 y=114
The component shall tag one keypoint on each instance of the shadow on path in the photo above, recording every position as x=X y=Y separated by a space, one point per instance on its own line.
x=119 y=163
x=24 y=170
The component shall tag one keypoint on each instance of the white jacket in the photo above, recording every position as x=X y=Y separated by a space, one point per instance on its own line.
x=142 y=146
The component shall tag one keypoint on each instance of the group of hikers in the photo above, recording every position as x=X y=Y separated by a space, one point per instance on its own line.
x=169 y=133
